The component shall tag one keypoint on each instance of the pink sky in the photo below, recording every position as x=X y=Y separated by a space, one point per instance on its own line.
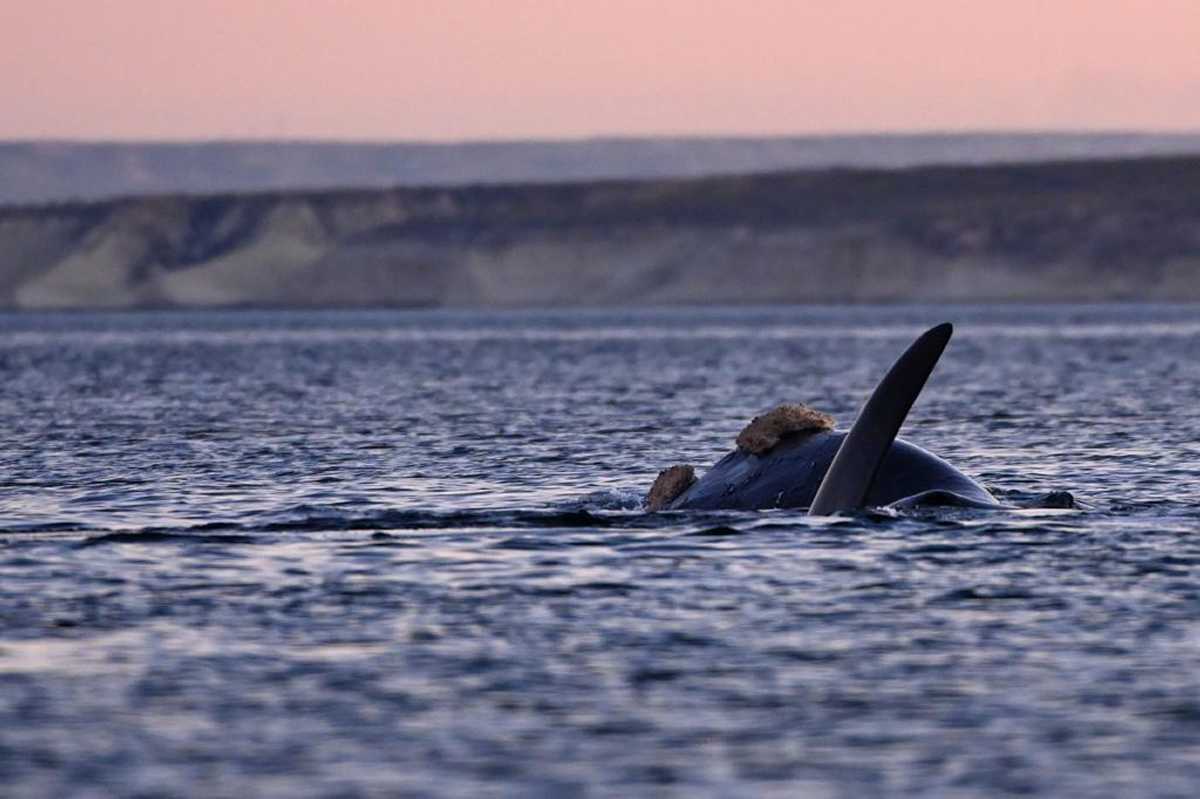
x=454 y=69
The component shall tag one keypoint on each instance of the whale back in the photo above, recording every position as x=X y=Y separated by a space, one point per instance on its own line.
x=789 y=475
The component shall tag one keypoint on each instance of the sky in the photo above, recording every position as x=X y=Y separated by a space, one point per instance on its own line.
x=473 y=69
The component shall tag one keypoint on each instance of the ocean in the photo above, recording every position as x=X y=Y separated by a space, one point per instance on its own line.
x=401 y=553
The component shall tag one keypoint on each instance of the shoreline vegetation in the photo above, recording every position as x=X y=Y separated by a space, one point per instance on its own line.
x=1069 y=231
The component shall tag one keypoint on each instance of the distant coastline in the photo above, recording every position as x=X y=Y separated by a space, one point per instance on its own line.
x=57 y=171
x=1080 y=230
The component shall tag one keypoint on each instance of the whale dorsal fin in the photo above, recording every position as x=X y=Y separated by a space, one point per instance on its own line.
x=857 y=461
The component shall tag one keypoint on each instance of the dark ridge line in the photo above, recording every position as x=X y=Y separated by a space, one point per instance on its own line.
x=498 y=188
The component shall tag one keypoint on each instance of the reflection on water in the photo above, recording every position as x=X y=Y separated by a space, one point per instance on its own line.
x=373 y=553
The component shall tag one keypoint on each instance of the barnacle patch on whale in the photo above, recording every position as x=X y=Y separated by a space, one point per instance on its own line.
x=670 y=483
x=767 y=430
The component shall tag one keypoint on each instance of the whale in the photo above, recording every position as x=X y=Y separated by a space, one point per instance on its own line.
x=790 y=475
x=794 y=457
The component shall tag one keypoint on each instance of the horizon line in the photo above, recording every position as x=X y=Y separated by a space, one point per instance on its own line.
x=925 y=133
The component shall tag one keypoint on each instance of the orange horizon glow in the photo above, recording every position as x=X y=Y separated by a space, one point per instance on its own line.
x=470 y=69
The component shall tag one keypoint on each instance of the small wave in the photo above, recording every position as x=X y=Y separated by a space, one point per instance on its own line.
x=309 y=519
x=719 y=531
x=612 y=499
x=161 y=537
x=443 y=520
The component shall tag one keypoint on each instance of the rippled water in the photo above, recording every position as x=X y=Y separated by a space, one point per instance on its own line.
x=343 y=554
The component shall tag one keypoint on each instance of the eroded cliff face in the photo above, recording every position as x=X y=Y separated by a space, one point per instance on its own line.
x=1080 y=231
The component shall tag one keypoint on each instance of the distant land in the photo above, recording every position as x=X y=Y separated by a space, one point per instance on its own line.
x=44 y=171
x=1063 y=231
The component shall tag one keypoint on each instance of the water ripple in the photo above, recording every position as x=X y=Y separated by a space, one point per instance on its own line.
x=375 y=553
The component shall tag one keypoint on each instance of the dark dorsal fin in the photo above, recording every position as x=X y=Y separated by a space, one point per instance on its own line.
x=857 y=461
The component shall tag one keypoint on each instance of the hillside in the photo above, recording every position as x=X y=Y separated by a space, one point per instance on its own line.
x=1096 y=230
x=42 y=171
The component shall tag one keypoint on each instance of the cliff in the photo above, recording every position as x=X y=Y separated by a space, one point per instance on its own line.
x=1090 y=230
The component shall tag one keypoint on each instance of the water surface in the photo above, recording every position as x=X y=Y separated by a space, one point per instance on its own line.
x=382 y=553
